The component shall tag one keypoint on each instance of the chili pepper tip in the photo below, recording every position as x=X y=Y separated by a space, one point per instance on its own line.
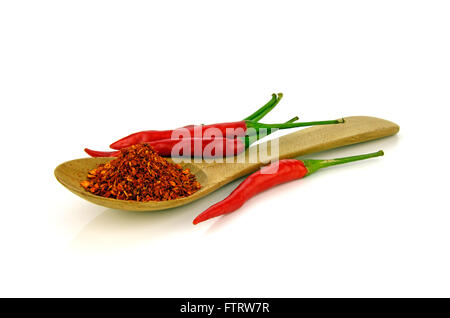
x=197 y=221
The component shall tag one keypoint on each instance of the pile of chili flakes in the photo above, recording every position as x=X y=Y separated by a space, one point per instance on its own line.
x=140 y=174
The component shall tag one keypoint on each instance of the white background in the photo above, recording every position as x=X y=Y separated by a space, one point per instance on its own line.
x=77 y=74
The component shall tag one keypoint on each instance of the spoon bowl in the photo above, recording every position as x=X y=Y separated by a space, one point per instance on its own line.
x=213 y=175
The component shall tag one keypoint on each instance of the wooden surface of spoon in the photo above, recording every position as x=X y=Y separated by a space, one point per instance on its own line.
x=213 y=175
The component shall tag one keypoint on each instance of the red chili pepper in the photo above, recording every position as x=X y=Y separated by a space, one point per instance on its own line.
x=152 y=135
x=217 y=147
x=228 y=130
x=97 y=153
x=287 y=170
x=193 y=131
x=239 y=129
x=164 y=147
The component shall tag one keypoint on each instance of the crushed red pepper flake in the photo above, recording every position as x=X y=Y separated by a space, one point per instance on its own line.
x=140 y=174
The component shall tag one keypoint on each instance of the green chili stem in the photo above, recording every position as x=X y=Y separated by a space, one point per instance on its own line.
x=248 y=140
x=261 y=109
x=293 y=119
x=267 y=109
x=264 y=110
x=256 y=125
x=314 y=164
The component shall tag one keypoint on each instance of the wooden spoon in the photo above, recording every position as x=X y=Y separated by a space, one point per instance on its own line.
x=213 y=175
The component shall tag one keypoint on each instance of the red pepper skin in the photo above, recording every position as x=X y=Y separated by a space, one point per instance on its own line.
x=142 y=136
x=288 y=170
x=95 y=153
x=240 y=128
x=220 y=147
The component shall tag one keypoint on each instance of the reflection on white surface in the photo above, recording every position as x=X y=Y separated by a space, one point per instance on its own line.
x=115 y=229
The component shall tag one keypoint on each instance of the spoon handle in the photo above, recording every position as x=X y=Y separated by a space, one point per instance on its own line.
x=354 y=130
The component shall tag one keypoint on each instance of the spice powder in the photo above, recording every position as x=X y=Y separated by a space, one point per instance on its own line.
x=140 y=174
